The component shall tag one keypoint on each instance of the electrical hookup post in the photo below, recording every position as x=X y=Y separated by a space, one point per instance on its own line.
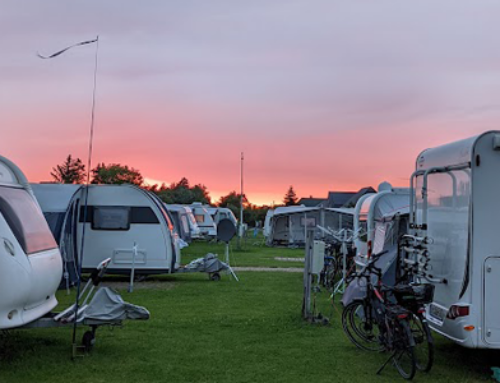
x=313 y=265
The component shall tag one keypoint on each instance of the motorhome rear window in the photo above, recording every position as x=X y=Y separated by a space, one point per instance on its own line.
x=25 y=220
x=199 y=218
x=111 y=218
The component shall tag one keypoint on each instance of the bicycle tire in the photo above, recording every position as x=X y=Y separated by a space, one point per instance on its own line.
x=361 y=331
x=406 y=352
x=424 y=342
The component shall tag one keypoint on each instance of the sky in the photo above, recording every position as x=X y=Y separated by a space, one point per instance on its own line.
x=319 y=94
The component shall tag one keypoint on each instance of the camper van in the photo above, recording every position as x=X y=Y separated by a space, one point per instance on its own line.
x=116 y=218
x=30 y=262
x=204 y=220
x=455 y=193
x=375 y=215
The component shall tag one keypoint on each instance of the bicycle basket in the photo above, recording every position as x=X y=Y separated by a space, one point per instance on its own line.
x=421 y=294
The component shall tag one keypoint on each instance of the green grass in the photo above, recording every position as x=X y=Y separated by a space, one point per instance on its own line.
x=202 y=331
x=249 y=255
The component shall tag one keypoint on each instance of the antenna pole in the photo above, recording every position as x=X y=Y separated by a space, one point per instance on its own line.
x=240 y=233
x=86 y=196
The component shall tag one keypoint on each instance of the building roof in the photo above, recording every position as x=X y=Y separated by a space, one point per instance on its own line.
x=337 y=199
x=310 y=202
x=351 y=202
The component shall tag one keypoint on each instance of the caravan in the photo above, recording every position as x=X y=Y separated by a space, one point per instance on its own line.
x=122 y=222
x=30 y=262
x=455 y=193
x=377 y=216
x=204 y=220
x=184 y=222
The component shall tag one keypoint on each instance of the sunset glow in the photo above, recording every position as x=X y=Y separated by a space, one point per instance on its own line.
x=320 y=95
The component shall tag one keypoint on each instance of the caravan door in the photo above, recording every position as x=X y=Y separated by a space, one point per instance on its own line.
x=491 y=307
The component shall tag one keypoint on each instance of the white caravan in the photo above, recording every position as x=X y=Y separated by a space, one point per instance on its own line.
x=268 y=221
x=455 y=208
x=374 y=218
x=118 y=216
x=204 y=220
x=225 y=213
x=184 y=222
x=30 y=262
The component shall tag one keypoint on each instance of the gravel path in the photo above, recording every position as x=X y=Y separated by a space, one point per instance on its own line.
x=271 y=269
x=289 y=259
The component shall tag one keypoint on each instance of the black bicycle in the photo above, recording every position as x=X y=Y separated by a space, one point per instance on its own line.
x=378 y=323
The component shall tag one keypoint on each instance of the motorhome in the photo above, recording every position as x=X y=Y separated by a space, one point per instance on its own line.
x=376 y=214
x=30 y=262
x=454 y=210
x=123 y=222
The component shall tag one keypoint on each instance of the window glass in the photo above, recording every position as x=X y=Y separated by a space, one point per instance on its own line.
x=308 y=221
x=25 y=220
x=111 y=218
x=199 y=218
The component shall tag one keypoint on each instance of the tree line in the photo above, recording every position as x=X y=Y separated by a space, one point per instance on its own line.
x=73 y=171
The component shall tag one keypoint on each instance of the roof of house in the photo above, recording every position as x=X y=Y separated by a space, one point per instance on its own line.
x=310 y=202
x=337 y=199
x=351 y=202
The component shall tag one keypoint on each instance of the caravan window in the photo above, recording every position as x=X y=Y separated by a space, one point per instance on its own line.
x=200 y=218
x=111 y=218
x=25 y=220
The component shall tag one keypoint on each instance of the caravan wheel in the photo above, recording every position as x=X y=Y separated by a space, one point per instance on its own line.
x=215 y=277
x=88 y=341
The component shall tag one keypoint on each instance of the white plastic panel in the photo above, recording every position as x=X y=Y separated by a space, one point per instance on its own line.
x=318 y=257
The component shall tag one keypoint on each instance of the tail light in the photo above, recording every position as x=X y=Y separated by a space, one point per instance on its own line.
x=369 y=249
x=457 y=311
x=421 y=310
x=402 y=316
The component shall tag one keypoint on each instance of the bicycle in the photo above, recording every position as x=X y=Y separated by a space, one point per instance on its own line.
x=377 y=323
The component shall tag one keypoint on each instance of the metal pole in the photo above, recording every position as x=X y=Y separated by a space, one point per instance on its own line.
x=132 y=272
x=240 y=234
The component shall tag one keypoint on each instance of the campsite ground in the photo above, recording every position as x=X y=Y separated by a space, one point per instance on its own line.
x=203 y=331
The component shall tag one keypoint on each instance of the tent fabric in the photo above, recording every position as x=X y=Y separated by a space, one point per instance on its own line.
x=54 y=198
x=107 y=306
x=284 y=210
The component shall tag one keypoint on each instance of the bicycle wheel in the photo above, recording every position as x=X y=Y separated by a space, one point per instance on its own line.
x=361 y=329
x=330 y=273
x=404 y=356
x=424 y=343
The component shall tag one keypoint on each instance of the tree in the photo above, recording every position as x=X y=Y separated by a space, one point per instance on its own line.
x=71 y=171
x=290 y=197
x=232 y=201
x=116 y=174
x=182 y=193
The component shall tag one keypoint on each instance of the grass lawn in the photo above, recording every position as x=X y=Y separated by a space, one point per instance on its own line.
x=253 y=253
x=202 y=331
